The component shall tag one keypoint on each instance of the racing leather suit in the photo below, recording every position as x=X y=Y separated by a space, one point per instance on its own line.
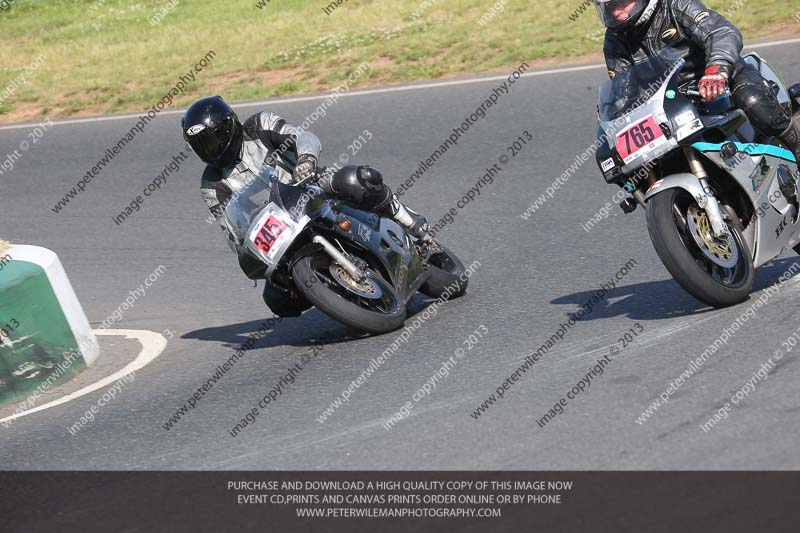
x=705 y=39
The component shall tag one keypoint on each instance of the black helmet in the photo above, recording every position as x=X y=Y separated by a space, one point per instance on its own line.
x=620 y=15
x=213 y=130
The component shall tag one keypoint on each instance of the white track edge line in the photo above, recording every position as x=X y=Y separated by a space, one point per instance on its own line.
x=153 y=345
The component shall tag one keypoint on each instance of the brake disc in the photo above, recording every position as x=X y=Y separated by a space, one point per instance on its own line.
x=721 y=251
x=366 y=288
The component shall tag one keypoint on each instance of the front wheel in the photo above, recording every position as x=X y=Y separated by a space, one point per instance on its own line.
x=371 y=305
x=718 y=272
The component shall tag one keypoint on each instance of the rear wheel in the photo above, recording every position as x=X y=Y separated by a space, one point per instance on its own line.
x=371 y=305
x=718 y=272
x=446 y=273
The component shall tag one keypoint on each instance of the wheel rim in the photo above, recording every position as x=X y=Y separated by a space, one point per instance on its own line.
x=366 y=288
x=373 y=294
x=725 y=262
x=722 y=252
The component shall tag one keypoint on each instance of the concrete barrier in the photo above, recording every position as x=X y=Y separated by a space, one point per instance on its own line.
x=45 y=337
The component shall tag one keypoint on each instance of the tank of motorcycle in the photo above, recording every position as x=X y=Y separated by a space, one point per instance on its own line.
x=632 y=112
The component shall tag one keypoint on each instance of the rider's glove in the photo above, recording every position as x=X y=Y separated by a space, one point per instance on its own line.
x=713 y=84
x=306 y=169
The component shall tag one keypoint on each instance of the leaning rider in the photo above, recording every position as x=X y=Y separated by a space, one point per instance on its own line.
x=232 y=150
x=711 y=46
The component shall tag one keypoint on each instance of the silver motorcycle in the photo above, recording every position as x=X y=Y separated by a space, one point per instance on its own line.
x=721 y=199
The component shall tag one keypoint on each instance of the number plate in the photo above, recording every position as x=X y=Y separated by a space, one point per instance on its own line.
x=270 y=231
x=644 y=134
x=267 y=236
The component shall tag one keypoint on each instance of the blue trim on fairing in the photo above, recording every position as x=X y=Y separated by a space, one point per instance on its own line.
x=751 y=149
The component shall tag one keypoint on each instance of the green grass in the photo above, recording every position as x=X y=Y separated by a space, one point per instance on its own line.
x=103 y=56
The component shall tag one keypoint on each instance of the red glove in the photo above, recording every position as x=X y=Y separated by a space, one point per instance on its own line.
x=713 y=84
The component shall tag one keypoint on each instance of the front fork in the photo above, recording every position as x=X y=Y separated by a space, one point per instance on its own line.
x=708 y=202
x=339 y=257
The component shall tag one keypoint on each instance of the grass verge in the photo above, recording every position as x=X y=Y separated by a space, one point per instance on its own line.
x=91 y=57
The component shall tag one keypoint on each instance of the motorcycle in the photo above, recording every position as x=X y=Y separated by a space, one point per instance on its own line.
x=355 y=266
x=721 y=199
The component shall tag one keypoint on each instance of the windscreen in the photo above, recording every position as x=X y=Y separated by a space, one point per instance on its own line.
x=633 y=87
x=244 y=205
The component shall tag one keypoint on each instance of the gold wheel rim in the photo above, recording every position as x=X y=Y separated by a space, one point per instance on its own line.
x=721 y=252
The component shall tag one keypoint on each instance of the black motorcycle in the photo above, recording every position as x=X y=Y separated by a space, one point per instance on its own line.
x=355 y=266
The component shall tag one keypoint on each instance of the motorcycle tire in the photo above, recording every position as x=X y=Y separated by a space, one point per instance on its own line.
x=311 y=277
x=446 y=271
x=682 y=257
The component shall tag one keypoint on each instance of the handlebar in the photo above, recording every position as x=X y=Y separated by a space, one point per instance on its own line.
x=692 y=91
x=311 y=180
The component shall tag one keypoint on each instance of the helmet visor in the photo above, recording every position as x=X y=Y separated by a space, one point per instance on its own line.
x=619 y=14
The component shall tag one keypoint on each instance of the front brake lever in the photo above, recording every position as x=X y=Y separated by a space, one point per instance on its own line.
x=311 y=180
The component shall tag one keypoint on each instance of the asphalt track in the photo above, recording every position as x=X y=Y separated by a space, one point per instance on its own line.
x=533 y=274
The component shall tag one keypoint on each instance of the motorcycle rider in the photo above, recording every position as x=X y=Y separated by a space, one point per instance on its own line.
x=232 y=150
x=711 y=46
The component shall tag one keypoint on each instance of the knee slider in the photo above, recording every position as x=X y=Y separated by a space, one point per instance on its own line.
x=281 y=302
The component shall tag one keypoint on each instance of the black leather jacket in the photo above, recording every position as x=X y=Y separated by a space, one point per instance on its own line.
x=702 y=36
